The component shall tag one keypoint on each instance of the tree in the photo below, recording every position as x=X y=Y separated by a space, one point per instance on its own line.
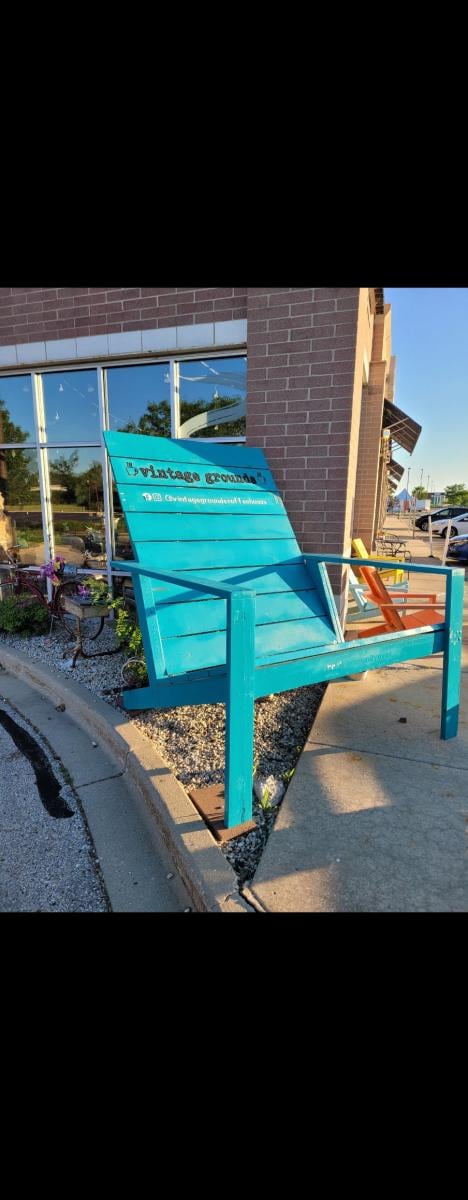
x=63 y=474
x=456 y=493
x=18 y=470
x=419 y=493
x=156 y=420
x=89 y=489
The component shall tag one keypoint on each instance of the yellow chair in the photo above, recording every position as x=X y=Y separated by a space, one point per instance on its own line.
x=397 y=574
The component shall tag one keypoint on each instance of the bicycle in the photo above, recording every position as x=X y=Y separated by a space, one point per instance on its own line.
x=24 y=584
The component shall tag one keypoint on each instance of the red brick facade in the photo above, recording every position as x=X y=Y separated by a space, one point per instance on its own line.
x=301 y=352
x=36 y=314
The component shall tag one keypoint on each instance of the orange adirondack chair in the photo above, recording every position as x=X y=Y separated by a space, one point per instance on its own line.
x=396 y=573
x=425 y=615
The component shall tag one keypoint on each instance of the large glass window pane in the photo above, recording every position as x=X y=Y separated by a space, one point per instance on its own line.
x=212 y=396
x=77 y=496
x=139 y=399
x=16 y=409
x=71 y=402
x=20 y=508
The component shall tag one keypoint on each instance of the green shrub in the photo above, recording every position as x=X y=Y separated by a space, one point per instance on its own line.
x=127 y=630
x=23 y=614
x=99 y=590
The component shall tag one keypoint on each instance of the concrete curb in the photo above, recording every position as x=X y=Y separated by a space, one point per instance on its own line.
x=207 y=875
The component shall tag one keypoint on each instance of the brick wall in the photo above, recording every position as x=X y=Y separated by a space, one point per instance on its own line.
x=301 y=408
x=36 y=314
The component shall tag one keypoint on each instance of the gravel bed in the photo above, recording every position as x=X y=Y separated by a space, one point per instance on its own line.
x=191 y=739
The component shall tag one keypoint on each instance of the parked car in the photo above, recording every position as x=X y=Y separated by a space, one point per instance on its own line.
x=459 y=525
x=458 y=548
x=450 y=510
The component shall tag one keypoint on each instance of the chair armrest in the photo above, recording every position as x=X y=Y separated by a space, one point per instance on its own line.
x=404 y=607
x=431 y=596
x=194 y=582
x=417 y=568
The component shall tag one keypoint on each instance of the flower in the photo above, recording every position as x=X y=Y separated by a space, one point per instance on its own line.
x=52 y=569
x=83 y=591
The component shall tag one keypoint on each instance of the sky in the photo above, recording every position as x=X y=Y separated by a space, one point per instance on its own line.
x=430 y=342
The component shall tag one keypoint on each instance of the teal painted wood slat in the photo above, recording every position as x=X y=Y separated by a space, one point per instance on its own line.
x=154 y=498
x=205 y=527
x=205 y=616
x=417 y=568
x=240 y=710
x=286 y=579
x=152 y=647
x=319 y=575
x=153 y=472
x=452 y=654
x=182 y=450
x=194 y=556
x=196 y=651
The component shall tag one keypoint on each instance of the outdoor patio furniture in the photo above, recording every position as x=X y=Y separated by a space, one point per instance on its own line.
x=366 y=606
x=395 y=573
x=229 y=607
x=392 y=546
x=84 y=611
x=385 y=603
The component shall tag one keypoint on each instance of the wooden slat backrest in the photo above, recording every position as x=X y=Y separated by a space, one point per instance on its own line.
x=382 y=596
x=215 y=509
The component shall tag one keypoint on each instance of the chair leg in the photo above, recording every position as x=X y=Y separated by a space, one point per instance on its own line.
x=452 y=655
x=239 y=712
x=239 y=763
x=139 y=698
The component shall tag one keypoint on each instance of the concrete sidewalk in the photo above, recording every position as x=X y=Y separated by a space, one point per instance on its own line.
x=47 y=864
x=375 y=818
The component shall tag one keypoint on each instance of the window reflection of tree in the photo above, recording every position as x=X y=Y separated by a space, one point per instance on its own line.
x=78 y=508
x=19 y=489
x=17 y=476
x=156 y=420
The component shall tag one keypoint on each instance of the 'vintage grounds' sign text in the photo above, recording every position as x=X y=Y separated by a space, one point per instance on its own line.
x=209 y=477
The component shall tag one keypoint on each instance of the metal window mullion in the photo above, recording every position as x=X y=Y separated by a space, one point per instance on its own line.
x=43 y=468
x=175 y=397
x=106 y=477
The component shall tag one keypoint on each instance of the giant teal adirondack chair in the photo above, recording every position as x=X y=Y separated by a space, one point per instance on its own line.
x=229 y=607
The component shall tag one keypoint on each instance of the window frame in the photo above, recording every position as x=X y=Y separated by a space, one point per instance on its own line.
x=42 y=445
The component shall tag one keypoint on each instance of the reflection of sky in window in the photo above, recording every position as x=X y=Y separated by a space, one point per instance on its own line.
x=17 y=400
x=205 y=378
x=131 y=389
x=72 y=406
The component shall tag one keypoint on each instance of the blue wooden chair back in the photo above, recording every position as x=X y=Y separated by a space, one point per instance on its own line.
x=215 y=510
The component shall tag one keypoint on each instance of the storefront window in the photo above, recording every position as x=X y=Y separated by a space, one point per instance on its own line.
x=71 y=401
x=21 y=535
x=77 y=497
x=16 y=410
x=139 y=399
x=212 y=398
x=196 y=398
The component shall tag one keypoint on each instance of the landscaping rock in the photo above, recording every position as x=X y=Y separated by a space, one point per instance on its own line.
x=191 y=739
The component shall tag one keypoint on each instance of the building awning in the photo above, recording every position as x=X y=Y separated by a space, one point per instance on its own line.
x=403 y=430
x=395 y=471
x=379 y=300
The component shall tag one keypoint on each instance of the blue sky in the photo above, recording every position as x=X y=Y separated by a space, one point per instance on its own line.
x=430 y=341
